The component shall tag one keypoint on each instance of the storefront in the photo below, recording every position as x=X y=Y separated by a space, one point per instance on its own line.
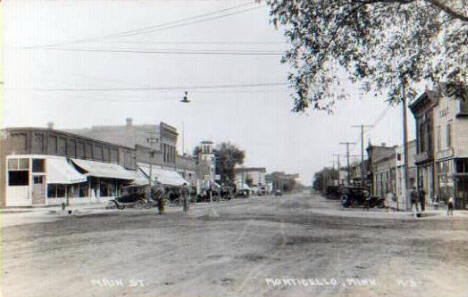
x=461 y=183
x=452 y=181
x=163 y=176
x=40 y=180
x=104 y=180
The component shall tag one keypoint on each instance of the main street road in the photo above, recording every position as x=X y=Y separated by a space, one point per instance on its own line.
x=296 y=245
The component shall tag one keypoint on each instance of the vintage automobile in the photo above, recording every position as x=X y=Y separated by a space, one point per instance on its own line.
x=135 y=200
x=356 y=196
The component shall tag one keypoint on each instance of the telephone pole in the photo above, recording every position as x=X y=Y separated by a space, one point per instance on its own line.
x=339 y=169
x=362 y=127
x=405 y=143
x=347 y=159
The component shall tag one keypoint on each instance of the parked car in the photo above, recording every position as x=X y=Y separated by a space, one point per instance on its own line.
x=278 y=193
x=136 y=200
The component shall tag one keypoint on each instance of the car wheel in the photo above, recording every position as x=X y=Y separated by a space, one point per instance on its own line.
x=140 y=204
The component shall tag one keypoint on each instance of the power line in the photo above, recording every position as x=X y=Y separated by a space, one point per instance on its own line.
x=196 y=42
x=199 y=87
x=173 y=52
x=154 y=28
x=191 y=23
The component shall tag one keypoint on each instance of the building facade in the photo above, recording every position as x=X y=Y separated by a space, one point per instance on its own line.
x=252 y=176
x=206 y=163
x=155 y=144
x=442 y=144
x=381 y=172
x=45 y=167
x=155 y=148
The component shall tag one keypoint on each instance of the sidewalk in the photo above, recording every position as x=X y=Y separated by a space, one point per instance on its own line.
x=31 y=215
x=383 y=213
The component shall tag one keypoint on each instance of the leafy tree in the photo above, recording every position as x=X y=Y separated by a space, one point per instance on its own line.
x=228 y=156
x=321 y=178
x=196 y=154
x=385 y=45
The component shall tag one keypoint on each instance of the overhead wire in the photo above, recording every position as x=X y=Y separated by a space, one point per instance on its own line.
x=163 y=26
x=175 y=51
x=188 y=87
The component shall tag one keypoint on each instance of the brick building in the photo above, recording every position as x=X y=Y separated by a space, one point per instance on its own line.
x=154 y=145
x=42 y=166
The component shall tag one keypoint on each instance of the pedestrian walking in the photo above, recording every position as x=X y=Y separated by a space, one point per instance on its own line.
x=450 y=206
x=414 y=202
x=422 y=198
x=185 y=193
x=159 y=192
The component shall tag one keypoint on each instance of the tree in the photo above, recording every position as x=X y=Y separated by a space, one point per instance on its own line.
x=322 y=177
x=386 y=46
x=228 y=156
x=196 y=154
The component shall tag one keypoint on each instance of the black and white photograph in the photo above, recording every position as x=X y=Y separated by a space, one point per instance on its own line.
x=240 y=148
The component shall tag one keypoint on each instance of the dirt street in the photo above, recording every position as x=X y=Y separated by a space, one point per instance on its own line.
x=269 y=246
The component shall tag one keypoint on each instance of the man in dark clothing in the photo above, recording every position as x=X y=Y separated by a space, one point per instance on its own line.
x=414 y=200
x=422 y=199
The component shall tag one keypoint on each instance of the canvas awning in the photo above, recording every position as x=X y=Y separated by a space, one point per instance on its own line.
x=244 y=187
x=59 y=171
x=163 y=176
x=140 y=179
x=105 y=170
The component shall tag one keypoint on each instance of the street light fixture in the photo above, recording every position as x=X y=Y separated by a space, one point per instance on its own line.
x=185 y=100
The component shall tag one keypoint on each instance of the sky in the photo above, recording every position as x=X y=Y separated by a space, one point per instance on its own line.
x=82 y=63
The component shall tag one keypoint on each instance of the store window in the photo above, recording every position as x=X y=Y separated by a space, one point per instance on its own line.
x=38 y=179
x=18 y=178
x=84 y=187
x=23 y=164
x=61 y=191
x=56 y=191
x=462 y=165
x=38 y=165
x=18 y=172
x=12 y=164
x=449 y=135
x=51 y=191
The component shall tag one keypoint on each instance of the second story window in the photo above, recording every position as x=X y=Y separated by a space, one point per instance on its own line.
x=449 y=135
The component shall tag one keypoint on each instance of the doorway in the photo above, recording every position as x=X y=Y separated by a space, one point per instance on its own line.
x=38 y=190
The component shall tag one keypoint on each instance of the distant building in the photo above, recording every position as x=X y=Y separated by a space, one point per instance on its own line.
x=282 y=181
x=206 y=164
x=253 y=176
x=381 y=169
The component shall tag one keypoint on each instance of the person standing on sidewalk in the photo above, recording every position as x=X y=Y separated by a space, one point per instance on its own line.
x=414 y=201
x=450 y=206
x=422 y=198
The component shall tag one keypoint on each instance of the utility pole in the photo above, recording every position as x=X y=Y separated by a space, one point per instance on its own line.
x=338 y=163
x=347 y=159
x=183 y=138
x=151 y=140
x=405 y=142
x=362 y=127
